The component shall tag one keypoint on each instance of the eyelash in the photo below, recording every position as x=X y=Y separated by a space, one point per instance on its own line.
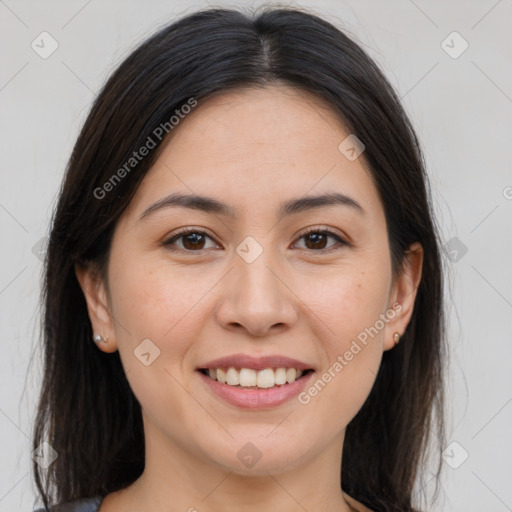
x=187 y=231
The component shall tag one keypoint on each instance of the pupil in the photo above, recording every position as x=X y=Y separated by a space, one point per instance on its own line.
x=316 y=237
x=195 y=239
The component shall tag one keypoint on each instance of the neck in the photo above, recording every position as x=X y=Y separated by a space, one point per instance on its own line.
x=175 y=478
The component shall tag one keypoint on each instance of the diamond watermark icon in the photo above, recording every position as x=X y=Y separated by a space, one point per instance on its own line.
x=249 y=454
x=146 y=352
x=44 y=455
x=455 y=455
x=351 y=147
x=44 y=45
x=455 y=249
x=39 y=249
x=454 y=45
x=249 y=249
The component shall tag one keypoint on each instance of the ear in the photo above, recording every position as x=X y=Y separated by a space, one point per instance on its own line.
x=95 y=294
x=403 y=293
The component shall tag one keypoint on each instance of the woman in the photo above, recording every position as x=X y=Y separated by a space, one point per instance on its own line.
x=243 y=294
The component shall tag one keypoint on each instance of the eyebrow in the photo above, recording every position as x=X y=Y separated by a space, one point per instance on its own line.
x=212 y=205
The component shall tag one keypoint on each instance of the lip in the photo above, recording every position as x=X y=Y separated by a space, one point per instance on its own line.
x=256 y=362
x=255 y=398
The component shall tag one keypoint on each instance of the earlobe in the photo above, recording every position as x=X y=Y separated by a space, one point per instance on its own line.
x=404 y=292
x=95 y=295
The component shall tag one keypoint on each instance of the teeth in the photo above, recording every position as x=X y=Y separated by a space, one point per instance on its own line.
x=247 y=377
x=280 y=376
x=291 y=373
x=266 y=378
x=221 y=375
x=233 y=377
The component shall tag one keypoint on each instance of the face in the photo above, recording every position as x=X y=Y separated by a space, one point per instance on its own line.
x=311 y=282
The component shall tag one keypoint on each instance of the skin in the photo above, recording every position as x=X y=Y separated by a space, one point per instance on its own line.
x=302 y=298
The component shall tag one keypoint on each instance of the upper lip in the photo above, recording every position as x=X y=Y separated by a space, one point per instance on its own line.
x=256 y=362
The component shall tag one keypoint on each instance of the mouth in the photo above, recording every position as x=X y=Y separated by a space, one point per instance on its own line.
x=249 y=378
x=250 y=381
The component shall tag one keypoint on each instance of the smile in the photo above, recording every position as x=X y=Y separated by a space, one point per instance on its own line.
x=254 y=379
x=255 y=389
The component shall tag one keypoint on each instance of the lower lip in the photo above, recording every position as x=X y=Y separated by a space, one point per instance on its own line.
x=256 y=398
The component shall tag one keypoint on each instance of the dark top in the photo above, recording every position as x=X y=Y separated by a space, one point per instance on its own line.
x=84 y=505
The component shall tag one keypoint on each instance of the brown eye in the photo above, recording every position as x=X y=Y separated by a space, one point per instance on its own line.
x=317 y=239
x=192 y=240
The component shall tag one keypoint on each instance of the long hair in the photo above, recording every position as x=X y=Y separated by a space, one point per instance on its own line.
x=87 y=411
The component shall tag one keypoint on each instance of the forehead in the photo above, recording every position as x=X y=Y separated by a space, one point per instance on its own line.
x=282 y=118
x=255 y=146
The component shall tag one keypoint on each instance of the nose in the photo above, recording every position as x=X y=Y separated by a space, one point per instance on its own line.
x=256 y=298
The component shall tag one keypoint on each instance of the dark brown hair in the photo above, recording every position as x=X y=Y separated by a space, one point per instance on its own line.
x=87 y=411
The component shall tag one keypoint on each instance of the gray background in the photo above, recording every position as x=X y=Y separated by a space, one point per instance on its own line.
x=461 y=108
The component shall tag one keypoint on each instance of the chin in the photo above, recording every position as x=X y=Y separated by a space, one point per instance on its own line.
x=258 y=456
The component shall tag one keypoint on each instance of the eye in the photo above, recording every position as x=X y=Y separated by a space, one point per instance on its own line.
x=193 y=240
x=316 y=239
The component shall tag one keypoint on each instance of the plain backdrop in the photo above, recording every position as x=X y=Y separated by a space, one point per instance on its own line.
x=457 y=89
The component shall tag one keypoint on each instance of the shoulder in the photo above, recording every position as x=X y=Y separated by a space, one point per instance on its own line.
x=82 y=505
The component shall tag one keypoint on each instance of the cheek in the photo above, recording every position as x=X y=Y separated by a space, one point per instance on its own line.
x=348 y=301
x=151 y=302
x=155 y=299
x=352 y=352
x=349 y=324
